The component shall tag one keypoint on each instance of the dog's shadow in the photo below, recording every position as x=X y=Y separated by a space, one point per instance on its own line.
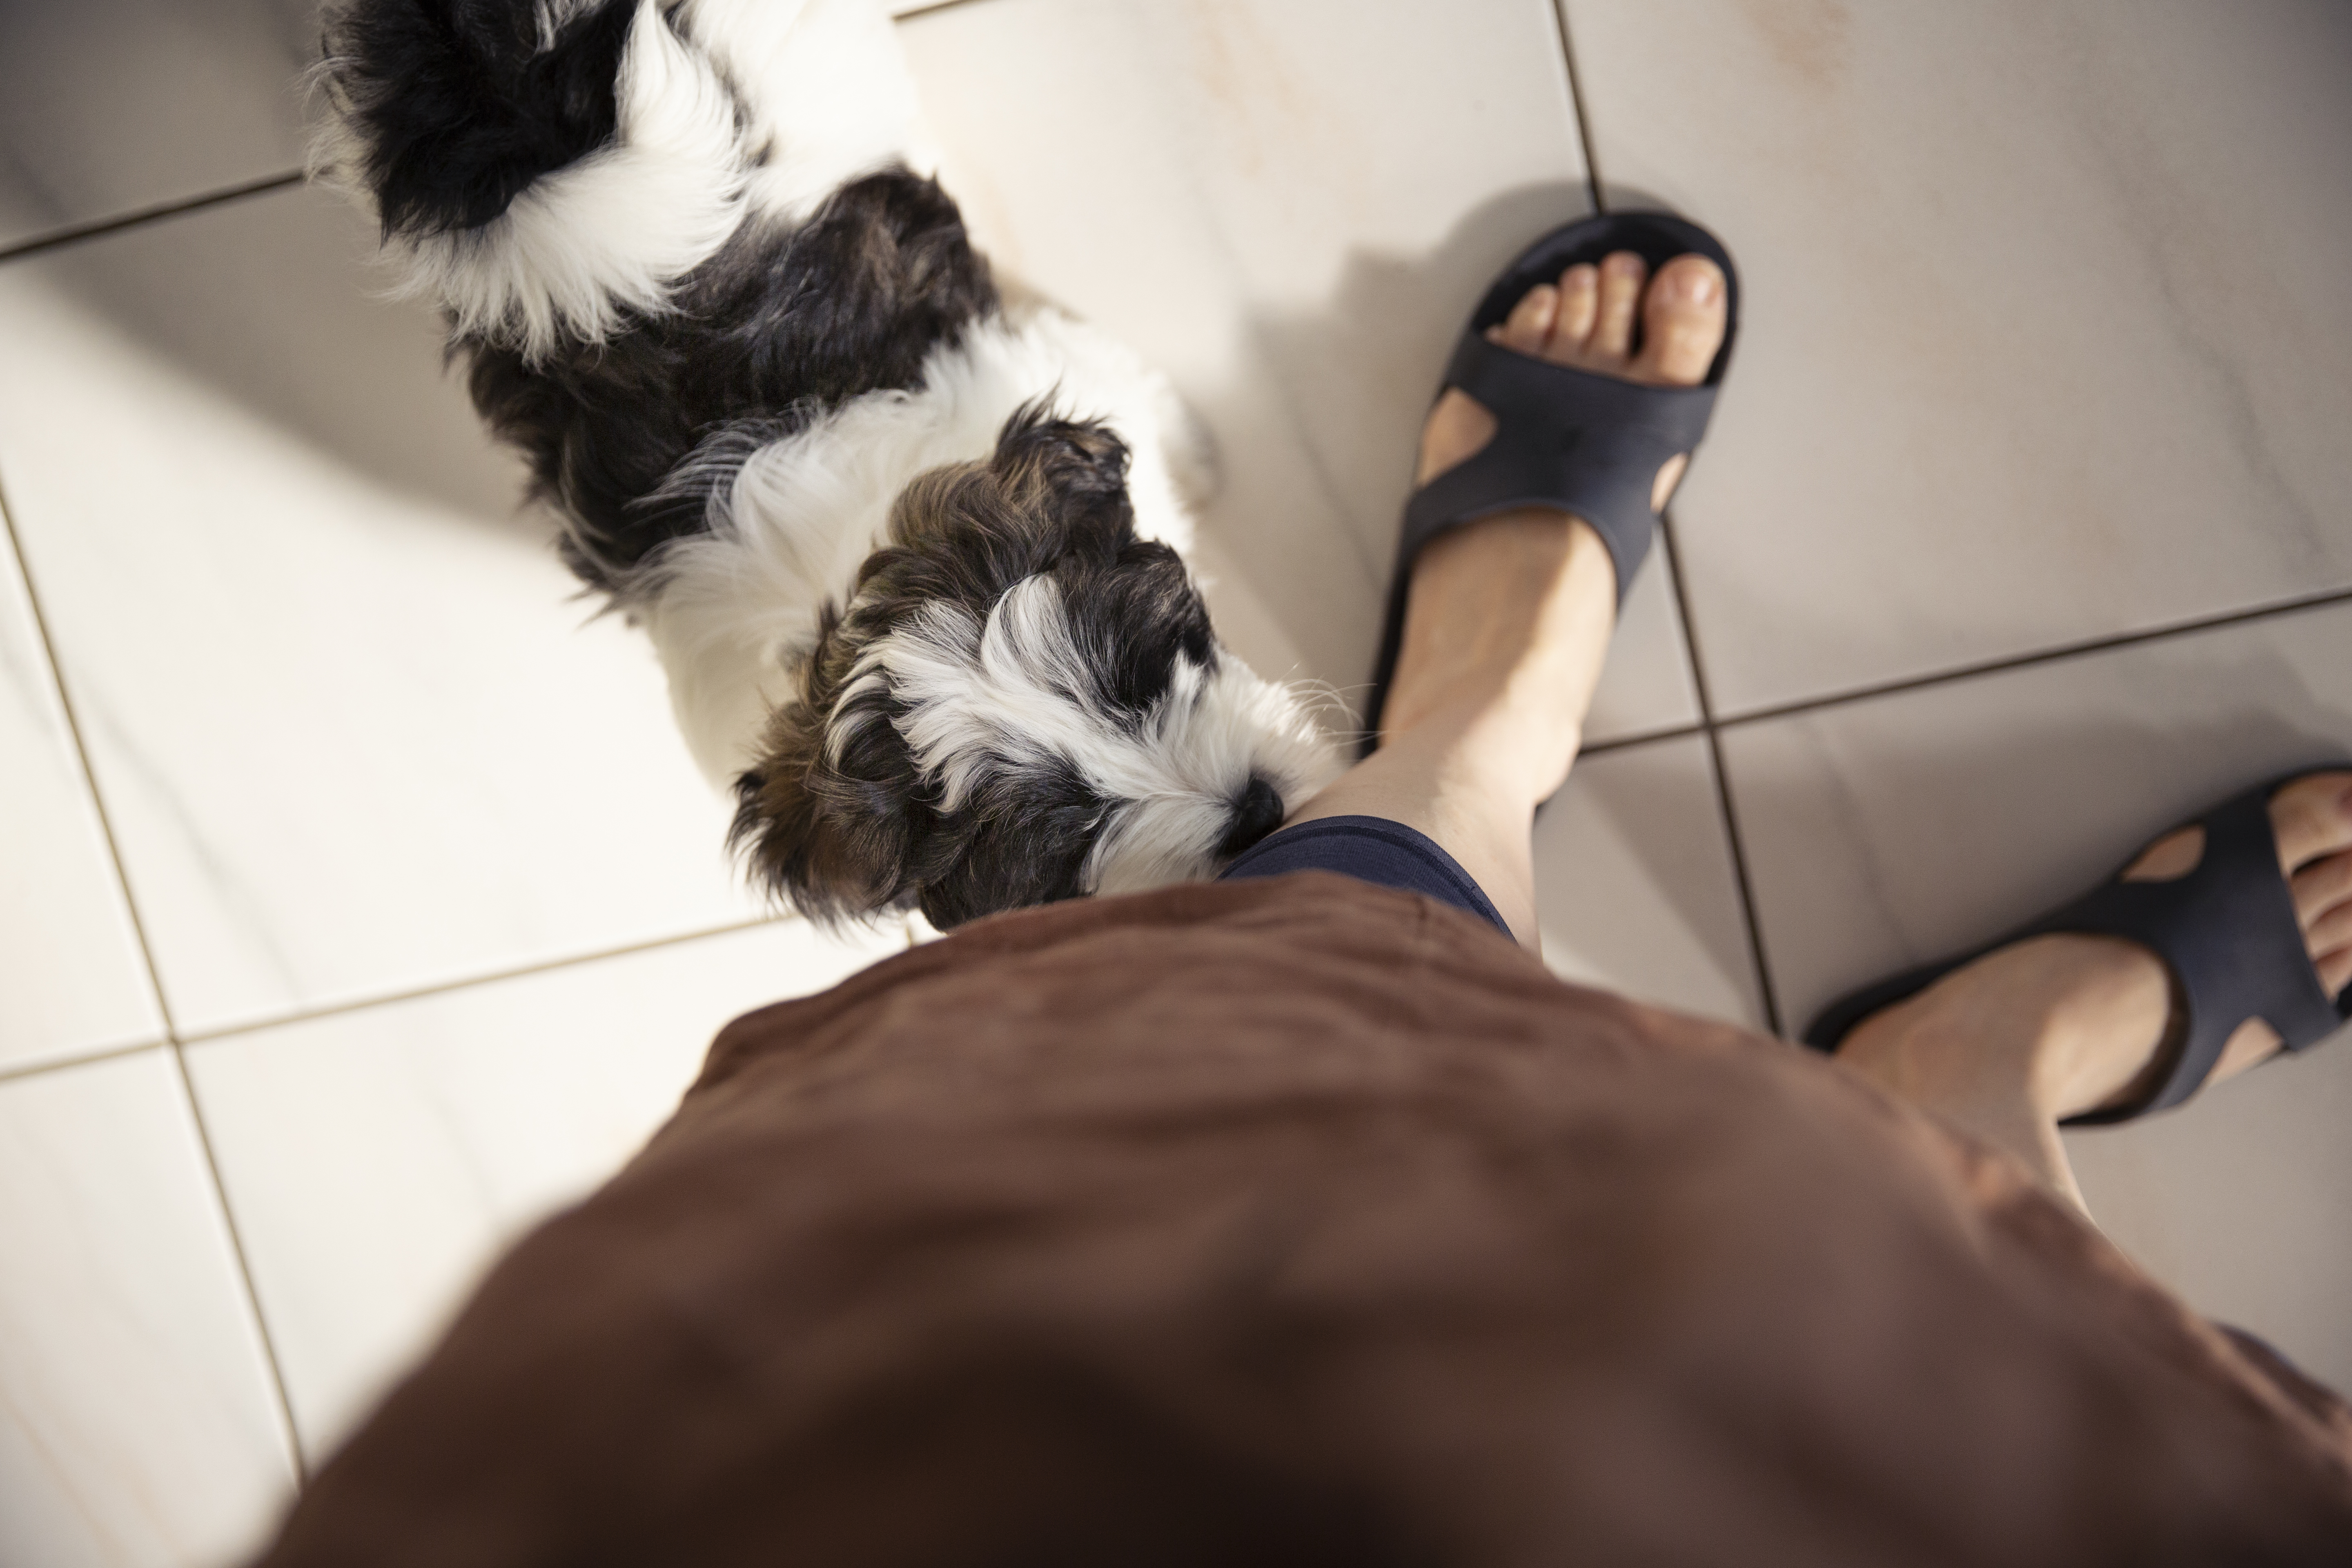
x=275 y=304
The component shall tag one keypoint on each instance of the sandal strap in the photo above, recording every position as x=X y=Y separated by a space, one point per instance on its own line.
x=2229 y=933
x=1587 y=443
x=1563 y=437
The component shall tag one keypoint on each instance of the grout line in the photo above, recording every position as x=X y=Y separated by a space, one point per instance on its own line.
x=1706 y=726
x=444 y=988
x=393 y=998
x=1576 y=102
x=1741 y=882
x=155 y=981
x=912 y=11
x=57 y=238
x=244 y=1269
x=89 y=773
x=2042 y=656
x=1640 y=738
x=1766 y=991
x=78 y=1059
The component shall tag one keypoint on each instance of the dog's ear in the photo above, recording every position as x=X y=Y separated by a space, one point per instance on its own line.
x=829 y=828
x=1031 y=850
x=1073 y=471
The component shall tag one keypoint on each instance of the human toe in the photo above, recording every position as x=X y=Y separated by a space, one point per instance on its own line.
x=1579 y=306
x=1529 y=325
x=1682 y=315
x=2320 y=886
x=2330 y=932
x=2335 y=969
x=1622 y=275
x=2311 y=821
x=2311 y=817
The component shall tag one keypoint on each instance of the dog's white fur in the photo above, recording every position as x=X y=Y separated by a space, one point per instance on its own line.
x=830 y=100
x=728 y=610
x=973 y=689
x=820 y=95
x=731 y=611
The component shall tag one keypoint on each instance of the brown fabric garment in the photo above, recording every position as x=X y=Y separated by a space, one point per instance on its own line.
x=1302 y=1221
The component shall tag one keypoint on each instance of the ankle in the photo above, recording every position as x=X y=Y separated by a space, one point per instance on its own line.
x=1478 y=735
x=2105 y=1031
x=1933 y=1050
x=1512 y=613
x=2058 y=1025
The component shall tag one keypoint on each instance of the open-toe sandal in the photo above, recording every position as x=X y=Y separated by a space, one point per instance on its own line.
x=1577 y=439
x=2226 y=932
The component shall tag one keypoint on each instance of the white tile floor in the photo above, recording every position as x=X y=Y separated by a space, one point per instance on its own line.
x=358 y=903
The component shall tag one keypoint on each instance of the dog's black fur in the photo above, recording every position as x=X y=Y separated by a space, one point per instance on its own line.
x=460 y=106
x=777 y=327
x=461 y=109
x=1054 y=501
x=456 y=107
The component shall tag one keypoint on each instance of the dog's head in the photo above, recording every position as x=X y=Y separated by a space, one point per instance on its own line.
x=1023 y=701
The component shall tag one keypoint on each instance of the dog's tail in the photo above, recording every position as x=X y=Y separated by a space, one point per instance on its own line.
x=545 y=169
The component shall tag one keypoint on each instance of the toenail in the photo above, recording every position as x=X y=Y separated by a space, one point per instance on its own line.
x=1700 y=286
x=1623 y=263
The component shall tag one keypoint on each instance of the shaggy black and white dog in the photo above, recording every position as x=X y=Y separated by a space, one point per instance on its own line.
x=911 y=553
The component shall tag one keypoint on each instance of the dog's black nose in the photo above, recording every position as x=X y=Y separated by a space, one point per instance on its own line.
x=1255 y=815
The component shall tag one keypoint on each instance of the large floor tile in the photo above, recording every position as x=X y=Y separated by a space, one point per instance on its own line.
x=2045 y=323
x=355 y=733
x=137 y=1420
x=376 y=1159
x=69 y=960
x=1890 y=832
x=109 y=106
x=2240 y=1205
x=1634 y=886
x=1291 y=211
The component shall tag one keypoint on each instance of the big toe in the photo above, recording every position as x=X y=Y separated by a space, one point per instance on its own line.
x=1683 y=317
x=2312 y=817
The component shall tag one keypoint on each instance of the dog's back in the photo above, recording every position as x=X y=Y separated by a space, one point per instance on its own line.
x=912 y=561
x=648 y=222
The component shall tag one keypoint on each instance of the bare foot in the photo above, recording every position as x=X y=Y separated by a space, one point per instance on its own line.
x=1517 y=607
x=2042 y=1030
x=1507 y=619
x=1587 y=320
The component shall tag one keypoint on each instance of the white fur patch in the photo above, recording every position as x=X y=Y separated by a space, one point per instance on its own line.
x=1016 y=695
x=732 y=611
x=827 y=90
x=823 y=97
x=1206 y=741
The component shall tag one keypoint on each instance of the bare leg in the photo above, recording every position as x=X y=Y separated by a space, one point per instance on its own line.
x=1505 y=627
x=2030 y=1034
x=1508 y=619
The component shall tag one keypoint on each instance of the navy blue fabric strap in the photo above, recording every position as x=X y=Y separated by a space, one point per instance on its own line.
x=1588 y=444
x=2229 y=933
x=1371 y=849
x=1565 y=437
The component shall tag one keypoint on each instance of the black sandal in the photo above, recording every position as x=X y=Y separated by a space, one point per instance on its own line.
x=2227 y=931
x=1576 y=439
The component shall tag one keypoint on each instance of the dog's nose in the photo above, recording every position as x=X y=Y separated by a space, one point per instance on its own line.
x=1255 y=815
